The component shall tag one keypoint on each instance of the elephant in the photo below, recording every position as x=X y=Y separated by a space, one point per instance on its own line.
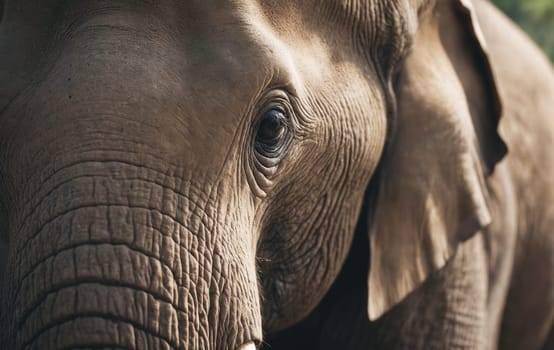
x=338 y=174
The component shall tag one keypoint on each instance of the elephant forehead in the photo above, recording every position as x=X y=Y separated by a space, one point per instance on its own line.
x=205 y=71
x=182 y=76
x=184 y=85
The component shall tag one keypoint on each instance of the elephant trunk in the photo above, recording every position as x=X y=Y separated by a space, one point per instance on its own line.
x=105 y=260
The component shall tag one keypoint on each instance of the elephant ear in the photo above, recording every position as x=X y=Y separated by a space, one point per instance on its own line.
x=431 y=186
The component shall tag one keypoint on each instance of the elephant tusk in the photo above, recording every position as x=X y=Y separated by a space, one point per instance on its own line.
x=248 y=346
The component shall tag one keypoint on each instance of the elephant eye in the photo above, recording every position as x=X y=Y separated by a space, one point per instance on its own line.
x=273 y=134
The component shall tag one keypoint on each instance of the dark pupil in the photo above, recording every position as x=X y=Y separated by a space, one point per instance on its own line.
x=271 y=127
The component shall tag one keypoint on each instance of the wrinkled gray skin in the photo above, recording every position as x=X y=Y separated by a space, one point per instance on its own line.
x=139 y=213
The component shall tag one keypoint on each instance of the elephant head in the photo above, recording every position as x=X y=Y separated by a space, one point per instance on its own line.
x=190 y=174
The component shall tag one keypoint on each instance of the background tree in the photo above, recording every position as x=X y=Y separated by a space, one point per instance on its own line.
x=536 y=17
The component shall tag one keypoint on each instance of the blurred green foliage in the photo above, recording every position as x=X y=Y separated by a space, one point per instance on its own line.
x=536 y=17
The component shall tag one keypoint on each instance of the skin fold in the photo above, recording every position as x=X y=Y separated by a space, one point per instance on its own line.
x=283 y=175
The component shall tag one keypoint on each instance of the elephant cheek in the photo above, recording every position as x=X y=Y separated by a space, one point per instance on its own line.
x=104 y=264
